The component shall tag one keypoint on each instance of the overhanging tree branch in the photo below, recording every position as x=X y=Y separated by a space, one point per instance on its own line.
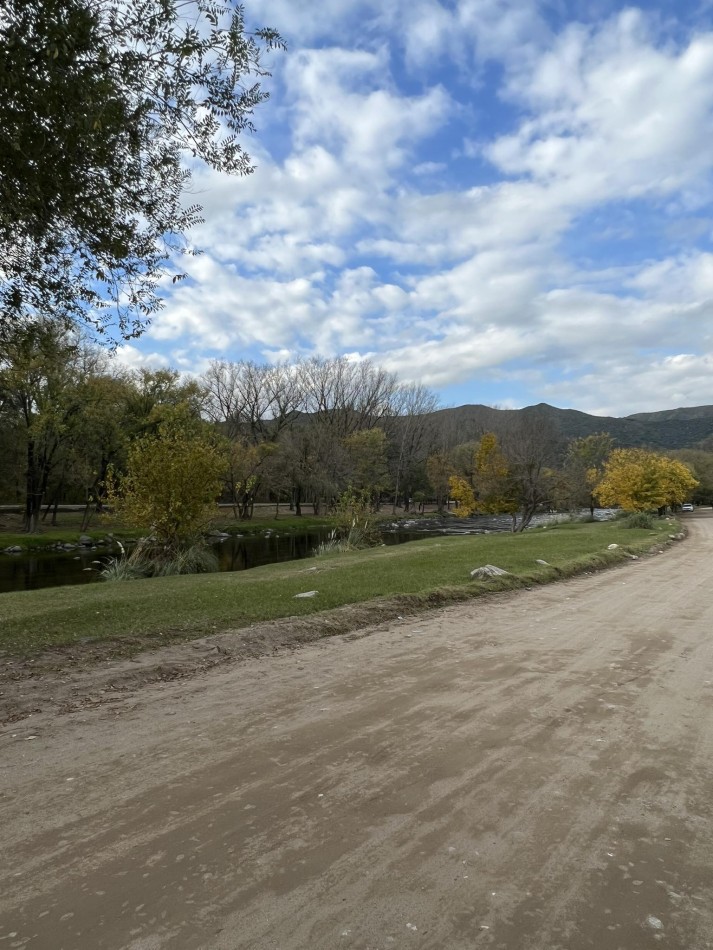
x=101 y=102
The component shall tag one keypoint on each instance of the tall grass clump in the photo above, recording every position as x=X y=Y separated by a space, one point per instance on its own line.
x=639 y=519
x=354 y=529
x=146 y=560
x=332 y=544
x=197 y=559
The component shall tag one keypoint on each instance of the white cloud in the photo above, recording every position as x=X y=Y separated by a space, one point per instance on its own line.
x=619 y=388
x=356 y=238
x=342 y=98
x=131 y=357
x=613 y=116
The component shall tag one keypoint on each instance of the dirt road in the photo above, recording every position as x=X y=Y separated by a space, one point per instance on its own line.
x=535 y=771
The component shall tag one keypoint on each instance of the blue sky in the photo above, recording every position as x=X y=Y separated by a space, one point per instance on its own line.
x=506 y=200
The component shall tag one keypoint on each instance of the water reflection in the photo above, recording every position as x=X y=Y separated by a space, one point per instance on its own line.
x=82 y=566
x=46 y=569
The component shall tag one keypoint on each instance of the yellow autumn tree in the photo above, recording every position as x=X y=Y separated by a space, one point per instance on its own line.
x=172 y=482
x=494 y=489
x=638 y=480
x=463 y=495
x=490 y=488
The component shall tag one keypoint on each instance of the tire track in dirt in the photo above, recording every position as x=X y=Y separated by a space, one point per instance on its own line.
x=527 y=772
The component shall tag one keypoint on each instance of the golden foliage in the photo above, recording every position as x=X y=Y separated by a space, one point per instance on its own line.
x=463 y=495
x=495 y=494
x=173 y=480
x=637 y=480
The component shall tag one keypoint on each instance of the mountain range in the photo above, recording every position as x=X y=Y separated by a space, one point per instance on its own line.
x=670 y=429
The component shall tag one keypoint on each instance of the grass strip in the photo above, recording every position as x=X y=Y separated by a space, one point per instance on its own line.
x=139 y=614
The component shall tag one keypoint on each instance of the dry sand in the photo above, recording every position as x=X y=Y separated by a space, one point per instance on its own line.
x=529 y=771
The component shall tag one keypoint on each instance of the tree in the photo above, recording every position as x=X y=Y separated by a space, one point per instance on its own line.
x=637 y=480
x=252 y=403
x=485 y=483
x=701 y=464
x=39 y=399
x=346 y=396
x=461 y=491
x=529 y=447
x=366 y=451
x=493 y=482
x=102 y=105
x=156 y=392
x=462 y=458
x=99 y=440
x=172 y=482
x=313 y=463
x=411 y=435
x=439 y=471
x=584 y=467
x=245 y=473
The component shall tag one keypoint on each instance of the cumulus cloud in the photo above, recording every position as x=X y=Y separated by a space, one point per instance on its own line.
x=457 y=222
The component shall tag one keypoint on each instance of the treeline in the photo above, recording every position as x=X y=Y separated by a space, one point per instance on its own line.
x=303 y=433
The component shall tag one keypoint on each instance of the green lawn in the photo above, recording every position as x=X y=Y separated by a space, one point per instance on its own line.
x=193 y=606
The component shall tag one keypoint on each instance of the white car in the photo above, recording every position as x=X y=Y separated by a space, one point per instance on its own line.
x=687 y=506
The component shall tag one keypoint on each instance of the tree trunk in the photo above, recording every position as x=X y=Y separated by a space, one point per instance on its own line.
x=48 y=508
x=527 y=515
x=33 y=493
x=86 y=515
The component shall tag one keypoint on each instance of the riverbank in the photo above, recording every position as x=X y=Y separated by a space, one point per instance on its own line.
x=76 y=625
x=105 y=530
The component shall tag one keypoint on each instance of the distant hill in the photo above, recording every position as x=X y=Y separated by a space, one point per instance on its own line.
x=670 y=429
x=692 y=412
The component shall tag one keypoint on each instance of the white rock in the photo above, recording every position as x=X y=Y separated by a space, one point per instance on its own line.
x=308 y=593
x=488 y=570
x=544 y=563
x=613 y=547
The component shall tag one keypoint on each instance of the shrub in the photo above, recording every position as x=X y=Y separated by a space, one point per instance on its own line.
x=639 y=519
x=353 y=525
